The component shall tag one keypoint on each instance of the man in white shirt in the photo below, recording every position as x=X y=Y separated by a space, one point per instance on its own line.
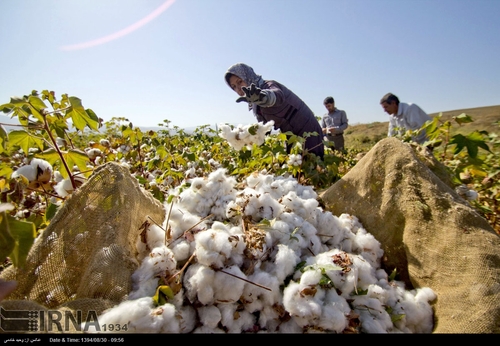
x=404 y=117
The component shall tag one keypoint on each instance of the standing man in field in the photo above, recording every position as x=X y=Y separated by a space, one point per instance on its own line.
x=404 y=117
x=334 y=123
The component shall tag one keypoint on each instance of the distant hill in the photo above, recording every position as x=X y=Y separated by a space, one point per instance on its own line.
x=364 y=136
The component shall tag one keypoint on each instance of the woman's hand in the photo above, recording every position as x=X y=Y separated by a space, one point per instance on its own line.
x=253 y=94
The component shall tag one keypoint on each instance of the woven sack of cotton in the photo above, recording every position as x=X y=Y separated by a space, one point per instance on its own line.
x=261 y=256
x=428 y=233
x=85 y=258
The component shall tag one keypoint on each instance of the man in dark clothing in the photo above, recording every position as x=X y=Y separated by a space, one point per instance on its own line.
x=270 y=100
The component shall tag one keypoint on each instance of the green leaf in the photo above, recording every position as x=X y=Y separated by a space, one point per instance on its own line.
x=463 y=119
x=7 y=241
x=253 y=129
x=24 y=140
x=37 y=103
x=392 y=277
x=396 y=317
x=79 y=116
x=18 y=237
x=77 y=157
x=51 y=211
x=472 y=142
x=50 y=155
x=6 y=108
x=3 y=139
x=19 y=107
x=163 y=294
x=5 y=170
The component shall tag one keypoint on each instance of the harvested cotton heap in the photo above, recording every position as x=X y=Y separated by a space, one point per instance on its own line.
x=263 y=257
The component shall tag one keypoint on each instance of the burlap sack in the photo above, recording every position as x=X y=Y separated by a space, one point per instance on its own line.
x=428 y=232
x=85 y=258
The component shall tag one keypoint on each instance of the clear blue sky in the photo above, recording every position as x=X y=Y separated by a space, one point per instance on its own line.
x=150 y=60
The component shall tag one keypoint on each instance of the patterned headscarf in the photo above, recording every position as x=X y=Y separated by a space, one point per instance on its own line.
x=245 y=72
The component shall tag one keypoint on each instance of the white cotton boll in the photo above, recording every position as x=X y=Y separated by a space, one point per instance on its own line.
x=254 y=297
x=307 y=192
x=269 y=208
x=124 y=313
x=364 y=272
x=310 y=277
x=201 y=201
x=346 y=243
x=257 y=180
x=294 y=204
x=294 y=160
x=377 y=292
x=312 y=242
x=372 y=315
x=61 y=142
x=160 y=261
x=425 y=294
x=145 y=288
x=329 y=229
x=191 y=172
x=417 y=310
x=58 y=177
x=93 y=153
x=199 y=184
x=232 y=209
x=237 y=240
x=181 y=250
x=335 y=312
x=295 y=239
x=332 y=319
x=154 y=237
x=29 y=172
x=180 y=220
x=209 y=316
x=199 y=284
x=340 y=279
x=213 y=248
x=161 y=319
x=236 y=321
x=269 y=319
x=105 y=143
x=41 y=165
x=367 y=246
x=291 y=327
x=381 y=274
x=187 y=318
x=228 y=288
x=193 y=202
x=285 y=262
x=279 y=231
x=63 y=188
x=309 y=205
x=302 y=305
x=350 y=222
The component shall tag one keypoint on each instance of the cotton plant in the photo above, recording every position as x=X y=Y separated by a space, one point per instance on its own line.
x=261 y=256
x=294 y=160
x=245 y=135
x=38 y=172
